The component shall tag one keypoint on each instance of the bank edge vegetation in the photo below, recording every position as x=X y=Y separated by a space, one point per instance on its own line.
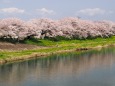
x=57 y=36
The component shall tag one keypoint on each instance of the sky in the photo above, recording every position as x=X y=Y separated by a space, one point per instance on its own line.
x=57 y=9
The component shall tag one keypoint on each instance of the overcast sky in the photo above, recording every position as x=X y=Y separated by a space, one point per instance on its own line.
x=56 y=9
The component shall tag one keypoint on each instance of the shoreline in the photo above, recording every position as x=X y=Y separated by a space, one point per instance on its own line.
x=38 y=55
x=43 y=48
x=33 y=56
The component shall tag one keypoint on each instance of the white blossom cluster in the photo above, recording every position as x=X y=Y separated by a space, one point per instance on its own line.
x=14 y=28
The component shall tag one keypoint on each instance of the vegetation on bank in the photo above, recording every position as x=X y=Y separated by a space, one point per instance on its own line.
x=55 y=36
x=52 y=46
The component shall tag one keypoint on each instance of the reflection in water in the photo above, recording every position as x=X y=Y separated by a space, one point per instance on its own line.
x=63 y=70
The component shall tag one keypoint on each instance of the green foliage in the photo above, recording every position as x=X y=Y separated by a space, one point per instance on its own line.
x=9 y=40
x=57 y=38
x=57 y=46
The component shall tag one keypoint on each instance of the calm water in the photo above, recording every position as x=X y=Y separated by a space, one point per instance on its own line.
x=91 y=68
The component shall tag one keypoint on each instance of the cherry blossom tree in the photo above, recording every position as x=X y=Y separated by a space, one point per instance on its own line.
x=14 y=28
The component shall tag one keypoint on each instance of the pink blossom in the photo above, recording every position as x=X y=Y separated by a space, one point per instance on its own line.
x=68 y=27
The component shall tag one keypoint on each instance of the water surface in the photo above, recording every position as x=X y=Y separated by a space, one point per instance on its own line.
x=91 y=68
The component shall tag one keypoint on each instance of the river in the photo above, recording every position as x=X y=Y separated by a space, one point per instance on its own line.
x=89 y=68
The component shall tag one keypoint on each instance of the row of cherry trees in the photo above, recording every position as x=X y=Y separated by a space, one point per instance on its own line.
x=14 y=28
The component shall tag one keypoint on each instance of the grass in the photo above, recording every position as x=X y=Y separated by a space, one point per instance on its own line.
x=52 y=46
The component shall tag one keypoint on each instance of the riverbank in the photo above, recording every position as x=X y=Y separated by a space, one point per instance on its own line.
x=47 y=47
